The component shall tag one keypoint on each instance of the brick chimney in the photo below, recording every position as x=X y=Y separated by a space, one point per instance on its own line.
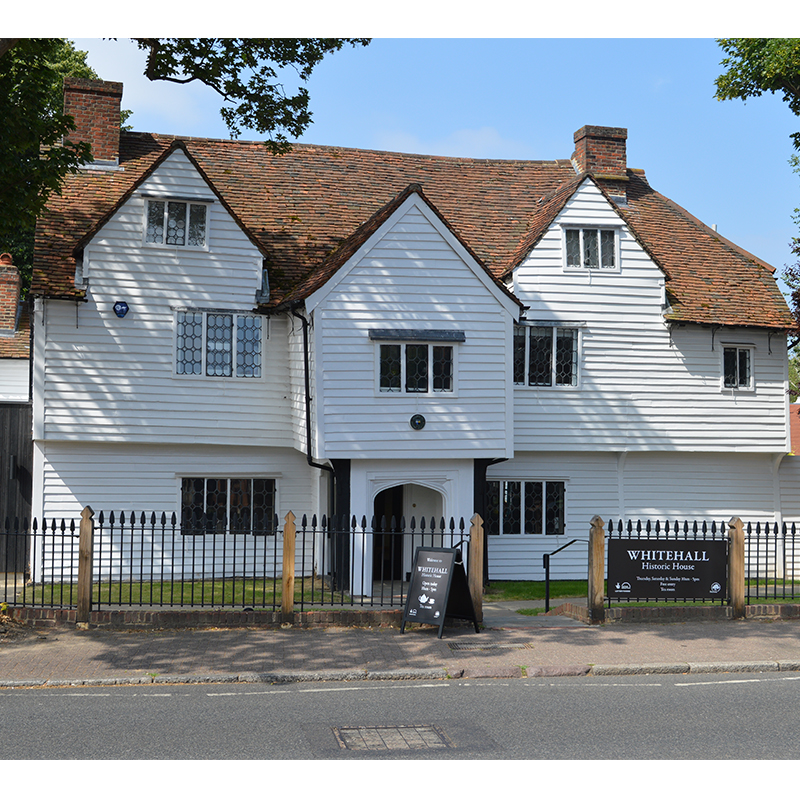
x=95 y=107
x=10 y=284
x=600 y=152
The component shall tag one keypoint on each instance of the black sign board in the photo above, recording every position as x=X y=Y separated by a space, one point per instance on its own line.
x=656 y=569
x=438 y=589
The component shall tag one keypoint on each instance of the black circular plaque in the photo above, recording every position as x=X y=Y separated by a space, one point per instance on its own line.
x=417 y=422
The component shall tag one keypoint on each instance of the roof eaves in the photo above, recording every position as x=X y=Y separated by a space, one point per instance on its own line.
x=551 y=206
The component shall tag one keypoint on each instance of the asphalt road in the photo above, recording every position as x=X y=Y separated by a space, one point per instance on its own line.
x=591 y=718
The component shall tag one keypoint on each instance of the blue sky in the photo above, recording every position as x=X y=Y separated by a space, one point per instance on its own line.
x=726 y=162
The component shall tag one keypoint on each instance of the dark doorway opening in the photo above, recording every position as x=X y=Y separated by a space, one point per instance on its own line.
x=387 y=551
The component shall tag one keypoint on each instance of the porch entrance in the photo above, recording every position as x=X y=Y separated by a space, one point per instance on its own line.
x=387 y=553
x=391 y=554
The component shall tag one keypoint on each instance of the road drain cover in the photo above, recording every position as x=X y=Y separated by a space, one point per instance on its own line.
x=392 y=737
x=463 y=646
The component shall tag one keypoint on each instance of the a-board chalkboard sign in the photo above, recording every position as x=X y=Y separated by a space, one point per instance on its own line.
x=438 y=589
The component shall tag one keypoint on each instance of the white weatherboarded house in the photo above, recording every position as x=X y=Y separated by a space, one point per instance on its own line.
x=364 y=333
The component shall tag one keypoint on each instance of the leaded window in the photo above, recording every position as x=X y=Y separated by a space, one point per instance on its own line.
x=177 y=223
x=416 y=368
x=529 y=507
x=218 y=344
x=228 y=505
x=590 y=248
x=545 y=355
x=737 y=367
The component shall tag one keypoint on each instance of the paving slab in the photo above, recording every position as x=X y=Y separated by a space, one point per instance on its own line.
x=509 y=646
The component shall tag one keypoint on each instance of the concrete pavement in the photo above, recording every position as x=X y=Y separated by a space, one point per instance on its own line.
x=510 y=645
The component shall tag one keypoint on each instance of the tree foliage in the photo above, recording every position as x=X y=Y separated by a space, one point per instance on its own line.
x=250 y=76
x=33 y=161
x=755 y=66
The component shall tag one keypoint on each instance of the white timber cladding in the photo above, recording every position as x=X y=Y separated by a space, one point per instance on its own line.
x=641 y=384
x=638 y=486
x=298 y=361
x=413 y=276
x=14 y=379
x=135 y=477
x=107 y=378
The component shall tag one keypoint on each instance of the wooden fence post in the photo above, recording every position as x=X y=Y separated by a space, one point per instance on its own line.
x=597 y=570
x=287 y=599
x=475 y=565
x=736 y=566
x=85 y=547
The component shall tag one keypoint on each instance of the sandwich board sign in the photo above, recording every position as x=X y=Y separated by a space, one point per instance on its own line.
x=438 y=589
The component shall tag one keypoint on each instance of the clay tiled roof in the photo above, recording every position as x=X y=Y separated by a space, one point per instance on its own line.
x=18 y=344
x=338 y=257
x=709 y=279
x=308 y=209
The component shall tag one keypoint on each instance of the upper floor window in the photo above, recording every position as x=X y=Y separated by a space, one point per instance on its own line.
x=416 y=368
x=176 y=222
x=545 y=355
x=737 y=367
x=218 y=344
x=423 y=364
x=590 y=248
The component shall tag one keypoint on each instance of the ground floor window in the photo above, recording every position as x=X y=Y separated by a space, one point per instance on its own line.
x=228 y=505
x=525 y=507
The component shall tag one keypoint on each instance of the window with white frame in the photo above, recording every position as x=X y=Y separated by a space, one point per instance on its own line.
x=176 y=222
x=737 y=367
x=228 y=505
x=590 y=248
x=218 y=344
x=416 y=362
x=529 y=507
x=545 y=355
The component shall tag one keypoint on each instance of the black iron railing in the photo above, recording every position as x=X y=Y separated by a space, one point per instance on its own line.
x=151 y=560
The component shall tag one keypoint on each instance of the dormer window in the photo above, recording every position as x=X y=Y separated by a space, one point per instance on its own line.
x=176 y=223
x=590 y=248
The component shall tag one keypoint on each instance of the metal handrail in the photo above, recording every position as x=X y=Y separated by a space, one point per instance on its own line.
x=546 y=565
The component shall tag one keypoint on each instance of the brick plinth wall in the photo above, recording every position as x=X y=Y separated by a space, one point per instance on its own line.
x=95 y=107
x=679 y=613
x=140 y=618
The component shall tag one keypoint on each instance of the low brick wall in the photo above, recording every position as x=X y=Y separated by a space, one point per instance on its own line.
x=169 y=618
x=679 y=613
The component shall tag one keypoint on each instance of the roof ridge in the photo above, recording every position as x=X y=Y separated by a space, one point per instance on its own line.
x=313 y=146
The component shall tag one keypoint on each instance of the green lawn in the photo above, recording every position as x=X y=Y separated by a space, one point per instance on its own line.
x=499 y=591
x=241 y=592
